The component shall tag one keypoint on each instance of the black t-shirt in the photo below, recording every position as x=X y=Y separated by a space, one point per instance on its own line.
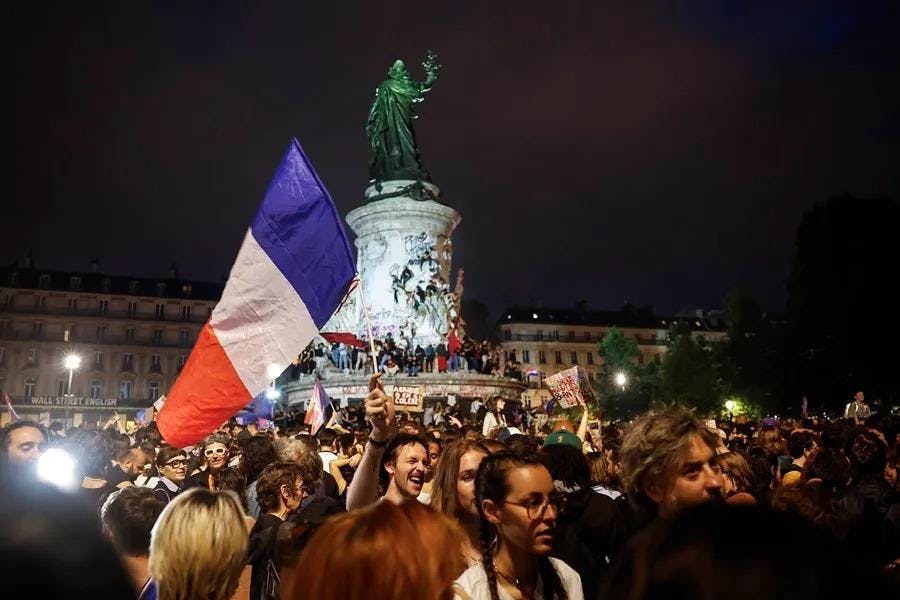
x=328 y=487
x=95 y=497
x=115 y=475
x=200 y=479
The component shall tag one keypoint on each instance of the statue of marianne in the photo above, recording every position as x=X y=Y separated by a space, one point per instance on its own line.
x=392 y=140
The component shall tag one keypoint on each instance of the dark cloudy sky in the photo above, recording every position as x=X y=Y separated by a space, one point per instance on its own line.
x=660 y=155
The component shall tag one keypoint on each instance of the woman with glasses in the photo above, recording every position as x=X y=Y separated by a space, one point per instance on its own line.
x=215 y=454
x=517 y=505
x=172 y=465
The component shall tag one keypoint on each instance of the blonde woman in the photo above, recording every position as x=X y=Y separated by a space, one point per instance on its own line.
x=198 y=547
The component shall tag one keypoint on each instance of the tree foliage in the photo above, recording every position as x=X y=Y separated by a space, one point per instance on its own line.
x=688 y=375
x=750 y=360
x=621 y=355
x=842 y=300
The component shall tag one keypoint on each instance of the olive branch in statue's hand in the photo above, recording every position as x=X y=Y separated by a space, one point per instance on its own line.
x=431 y=65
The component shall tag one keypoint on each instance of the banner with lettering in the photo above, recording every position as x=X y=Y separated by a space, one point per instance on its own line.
x=571 y=387
x=408 y=397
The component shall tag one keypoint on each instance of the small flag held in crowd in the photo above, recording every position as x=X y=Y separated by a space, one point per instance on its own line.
x=9 y=406
x=319 y=411
x=293 y=270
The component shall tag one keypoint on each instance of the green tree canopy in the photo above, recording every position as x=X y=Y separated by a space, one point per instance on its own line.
x=688 y=375
x=750 y=358
x=620 y=354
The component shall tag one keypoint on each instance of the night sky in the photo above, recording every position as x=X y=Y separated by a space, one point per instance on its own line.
x=659 y=155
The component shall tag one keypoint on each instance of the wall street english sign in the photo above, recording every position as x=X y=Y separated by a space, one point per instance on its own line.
x=72 y=401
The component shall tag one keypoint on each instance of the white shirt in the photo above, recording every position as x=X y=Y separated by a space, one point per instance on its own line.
x=147 y=482
x=491 y=422
x=327 y=457
x=607 y=492
x=473 y=583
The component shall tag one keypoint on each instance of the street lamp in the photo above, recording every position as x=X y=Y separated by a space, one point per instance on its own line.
x=729 y=405
x=621 y=379
x=71 y=362
x=273 y=371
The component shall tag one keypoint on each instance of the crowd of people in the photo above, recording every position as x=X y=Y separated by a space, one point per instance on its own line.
x=399 y=357
x=390 y=506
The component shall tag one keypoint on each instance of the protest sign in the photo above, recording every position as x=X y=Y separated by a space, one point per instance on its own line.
x=408 y=397
x=570 y=387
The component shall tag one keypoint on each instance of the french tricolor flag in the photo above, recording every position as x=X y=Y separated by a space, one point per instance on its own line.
x=293 y=270
x=319 y=411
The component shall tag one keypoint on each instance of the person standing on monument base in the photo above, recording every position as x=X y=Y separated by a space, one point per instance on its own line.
x=857 y=409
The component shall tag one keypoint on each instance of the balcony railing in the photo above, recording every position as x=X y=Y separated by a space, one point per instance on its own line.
x=109 y=314
x=89 y=338
x=530 y=337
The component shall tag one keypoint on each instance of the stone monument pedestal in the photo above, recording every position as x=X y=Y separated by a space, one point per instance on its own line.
x=404 y=253
x=436 y=387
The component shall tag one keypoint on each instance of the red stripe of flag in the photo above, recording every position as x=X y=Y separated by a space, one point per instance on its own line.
x=210 y=390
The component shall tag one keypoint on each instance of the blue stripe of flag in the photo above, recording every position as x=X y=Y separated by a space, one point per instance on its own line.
x=299 y=228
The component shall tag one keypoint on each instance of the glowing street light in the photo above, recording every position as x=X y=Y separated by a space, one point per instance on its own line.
x=729 y=405
x=71 y=362
x=273 y=371
x=621 y=379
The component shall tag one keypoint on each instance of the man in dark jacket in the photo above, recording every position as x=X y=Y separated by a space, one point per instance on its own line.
x=590 y=529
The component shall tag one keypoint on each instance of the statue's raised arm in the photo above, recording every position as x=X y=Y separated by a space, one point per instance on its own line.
x=394 y=153
x=432 y=67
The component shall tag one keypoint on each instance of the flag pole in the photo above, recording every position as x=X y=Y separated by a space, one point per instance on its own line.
x=362 y=298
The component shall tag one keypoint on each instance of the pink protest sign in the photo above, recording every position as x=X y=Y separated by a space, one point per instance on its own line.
x=570 y=387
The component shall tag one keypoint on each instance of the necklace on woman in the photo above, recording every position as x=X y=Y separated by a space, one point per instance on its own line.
x=472 y=557
x=526 y=591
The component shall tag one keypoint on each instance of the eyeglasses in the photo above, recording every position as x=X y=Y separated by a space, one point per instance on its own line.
x=175 y=463
x=536 y=507
x=211 y=451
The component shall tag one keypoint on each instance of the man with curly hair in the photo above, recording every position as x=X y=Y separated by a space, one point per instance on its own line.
x=669 y=462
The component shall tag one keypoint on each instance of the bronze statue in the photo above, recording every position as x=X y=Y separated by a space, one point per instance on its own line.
x=392 y=141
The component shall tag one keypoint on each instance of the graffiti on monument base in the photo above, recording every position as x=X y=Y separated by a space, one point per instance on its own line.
x=429 y=390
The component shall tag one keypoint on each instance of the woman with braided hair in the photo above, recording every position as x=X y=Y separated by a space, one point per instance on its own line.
x=517 y=505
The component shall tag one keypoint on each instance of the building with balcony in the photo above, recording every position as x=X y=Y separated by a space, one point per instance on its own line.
x=547 y=341
x=133 y=336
